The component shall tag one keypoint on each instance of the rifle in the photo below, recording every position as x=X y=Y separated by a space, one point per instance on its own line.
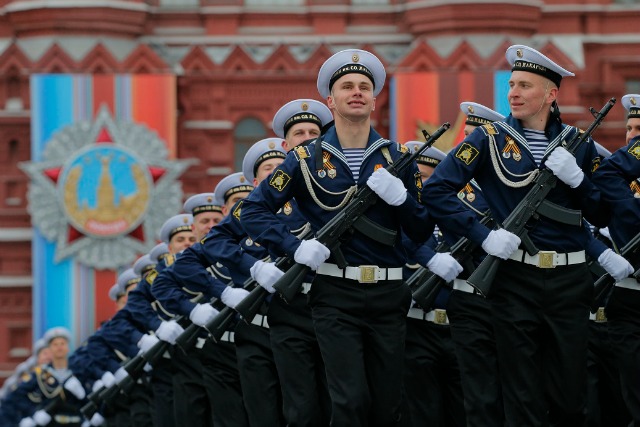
x=331 y=233
x=426 y=285
x=250 y=305
x=605 y=283
x=535 y=204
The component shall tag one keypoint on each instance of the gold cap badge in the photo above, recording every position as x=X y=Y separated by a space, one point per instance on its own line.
x=304 y=106
x=470 y=109
x=272 y=145
x=632 y=101
x=209 y=199
x=355 y=57
x=242 y=179
x=519 y=53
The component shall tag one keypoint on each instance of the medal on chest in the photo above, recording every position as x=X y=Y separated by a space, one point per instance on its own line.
x=328 y=169
x=511 y=149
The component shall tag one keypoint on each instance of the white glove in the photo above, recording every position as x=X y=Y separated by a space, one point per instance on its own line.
x=73 y=385
x=146 y=342
x=120 y=375
x=388 y=187
x=266 y=274
x=501 y=243
x=444 y=266
x=97 y=419
x=605 y=232
x=616 y=265
x=108 y=379
x=202 y=314
x=85 y=423
x=168 y=331
x=232 y=296
x=311 y=253
x=41 y=417
x=27 y=422
x=97 y=386
x=564 y=166
x=147 y=367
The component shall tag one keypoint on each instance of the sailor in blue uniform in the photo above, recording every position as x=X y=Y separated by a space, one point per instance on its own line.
x=432 y=375
x=54 y=381
x=540 y=303
x=204 y=390
x=228 y=244
x=615 y=178
x=358 y=312
x=470 y=314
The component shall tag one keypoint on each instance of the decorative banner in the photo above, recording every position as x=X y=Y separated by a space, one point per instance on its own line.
x=425 y=100
x=101 y=186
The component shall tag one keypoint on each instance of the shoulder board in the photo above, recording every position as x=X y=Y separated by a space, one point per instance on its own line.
x=37 y=370
x=236 y=212
x=489 y=129
x=25 y=377
x=169 y=259
x=302 y=152
x=151 y=276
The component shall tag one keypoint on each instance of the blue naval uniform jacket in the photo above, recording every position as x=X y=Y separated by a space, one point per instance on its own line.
x=177 y=286
x=229 y=244
x=472 y=159
x=140 y=302
x=613 y=177
x=287 y=182
x=33 y=392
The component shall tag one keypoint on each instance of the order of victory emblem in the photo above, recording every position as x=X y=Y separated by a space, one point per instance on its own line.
x=103 y=190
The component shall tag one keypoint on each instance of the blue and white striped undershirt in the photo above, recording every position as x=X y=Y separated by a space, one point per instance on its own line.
x=354 y=160
x=538 y=142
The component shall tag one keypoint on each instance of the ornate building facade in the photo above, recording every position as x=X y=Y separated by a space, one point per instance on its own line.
x=238 y=61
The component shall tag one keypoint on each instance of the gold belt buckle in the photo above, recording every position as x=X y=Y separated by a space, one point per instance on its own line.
x=600 y=315
x=368 y=274
x=440 y=316
x=545 y=259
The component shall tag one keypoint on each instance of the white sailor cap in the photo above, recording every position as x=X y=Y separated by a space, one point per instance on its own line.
x=631 y=103
x=525 y=58
x=300 y=111
x=115 y=292
x=57 y=332
x=430 y=157
x=265 y=149
x=175 y=225
x=128 y=278
x=232 y=184
x=143 y=265
x=602 y=152
x=39 y=345
x=203 y=202
x=159 y=252
x=478 y=114
x=351 y=61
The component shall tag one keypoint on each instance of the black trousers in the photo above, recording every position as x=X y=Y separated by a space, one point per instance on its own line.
x=162 y=385
x=541 y=326
x=361 y=331
x=305 y=394
x=141 y=405
x=258 y=376
x=432 y=376
x=605 y=405
x=472 y=333
x=192 y=396
x=220 y=374
x=623 y=312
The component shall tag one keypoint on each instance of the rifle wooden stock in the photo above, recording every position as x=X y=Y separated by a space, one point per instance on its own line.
x=329 y=235
x=483 y=276
x=605 y=283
